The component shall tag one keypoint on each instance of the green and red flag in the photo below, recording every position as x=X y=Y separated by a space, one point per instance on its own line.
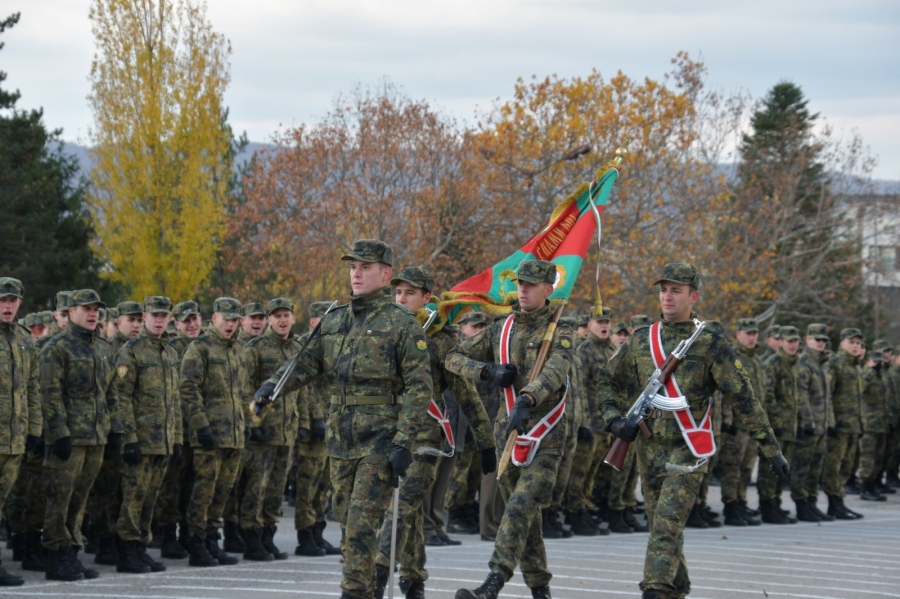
x=563 y=240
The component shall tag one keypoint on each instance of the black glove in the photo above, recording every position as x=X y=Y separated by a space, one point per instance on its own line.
x=256 y=435
x=730 y=429
x=400 y=460
x=34 y=444
x=801 y=433
x=585 y=435
x=302 y=435
x=176 y=453
x=809 y=431
x=317 y=431
x=488 y=461
x=779 y=467
x=832 y=432
x=263 y=394
x=778 y=432
x=624 y=429
x=63 y=448
x=502 y=374
x=206 y=438
x=113 y=445
x=519 y=416
x=132 y=454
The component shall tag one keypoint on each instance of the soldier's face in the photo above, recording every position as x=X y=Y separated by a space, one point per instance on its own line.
x=156 y=322
x=281 y=321
x=582 y=331
x=791 y=347
x=852 y=346
x=774 y=343
x=62 y=318
x=676 y=300
x=9 y=305
x=411 y=297
x=619 y=338
x=190 y=326
x=366 y=277
x=600 y=328
x=226 y=326
x=748 y=339
x=253 y=325
x=86 y=317
x=111 y=329
x=815 y=344
x=38 y=331
x=130 y=325
x=533 y=296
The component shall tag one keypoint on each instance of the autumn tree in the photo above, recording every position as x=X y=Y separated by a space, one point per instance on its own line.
x=161 y=143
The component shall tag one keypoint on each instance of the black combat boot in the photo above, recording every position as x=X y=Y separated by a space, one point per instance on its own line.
x=88 y=573
x=734 y=515
x=17 y=544
x=582 y=524
x=695 y=518
x=822 y=515
x=805 y=513
x=200 y=556
x=836 y=508
x=852 y=486
x=412 y=589
x=155 y=566
x=34 y=560
x=751 y=516
x=381 y=580
x=171 y=548
x=107 y=551
x=268 y=542
x=155 y=540
x=541 y=593
x=883 y=488
x=212 y=546
x=617 y=522
x=306 y=544
x=318 y=528
x=458 y=523
x=488 y=590
x=869 y=493
x=772 y=514
x=547 y=529
x=555 y=522
x=255 y=552
x=630 y=520
x=59 y=567
x=10 y=580
x=130 y=561
x=654 y=595
x=233 y=543
x=710 y=517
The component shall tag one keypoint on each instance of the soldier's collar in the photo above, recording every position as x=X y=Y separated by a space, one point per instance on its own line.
x=536 y=316
x=376 y=298
x=218 y=336
x=79 y=332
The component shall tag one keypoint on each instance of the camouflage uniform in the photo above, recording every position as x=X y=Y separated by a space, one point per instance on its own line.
x=892 y=451
x=709 y=365
x=875 y=421
x=526 y=489
x=846 y=392
x=809 y=452
x=783 y=410
x=577 y=404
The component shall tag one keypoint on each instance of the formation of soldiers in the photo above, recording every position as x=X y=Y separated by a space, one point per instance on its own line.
x=135 y=427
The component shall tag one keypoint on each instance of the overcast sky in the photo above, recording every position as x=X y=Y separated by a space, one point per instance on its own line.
x=291 y=57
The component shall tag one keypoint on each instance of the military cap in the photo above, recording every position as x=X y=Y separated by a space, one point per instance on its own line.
x=112 y=314
x=583 y=320
x=318 y=309
x=101 y=316
x=715 y=326
x=228 y=307
x=254 y=309
x=883 y=345
x=157 y=303
x=84 y=297
x=472 y=317
x=748 y=325
x=419 y=278
x=371 y=250
x=11 y=286
x=680 y=272
x=47 y=318
x=569 y=321
x=62 y=300
x=605 y=314
x=30 y=320
x=818 y=331
x=280 y=302
x=876 y=355
x=639 y=321
x=850 y=332
x=184 y=309
x=129 y=308
x=619 y=327
x=536 y=271
x=790 y=333
x=773 y=332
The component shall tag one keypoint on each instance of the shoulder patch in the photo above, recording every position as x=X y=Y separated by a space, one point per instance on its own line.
x=122 y=371
x=421 y=344
x=738 y=365
x=565 y=343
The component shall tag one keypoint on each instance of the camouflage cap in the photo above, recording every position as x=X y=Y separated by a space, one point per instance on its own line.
x=790 y=333
x=773 y=332
x=10 y=286
x=155 y=304
x=639 y=321
x=279 y=303
x=228 y=307
x=101 y=316
x=371 y=250
x=715 y=326
x=605 y=314
x=184 y=309
x=583 y=320
x=318 y=309
x=569 y=321
x=254 y=309
x=47 y=317
x=420 y=278
x=473 y=317
x=30 y=320
x=618 y=328
x=680 y=272
x=748 y=325
x=876 y=355
x=817 y=331
x=84 y=297
x=850 y=332
x=883 y=345
x=536 y=271
x=62 y=300
x=129 y=308
x=112 y=314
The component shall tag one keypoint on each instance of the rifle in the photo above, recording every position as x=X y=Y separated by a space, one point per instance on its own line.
x=649 y=399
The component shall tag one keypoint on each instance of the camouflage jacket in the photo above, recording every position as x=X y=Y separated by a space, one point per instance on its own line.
x=77 y=387
x=212 y=388
x=470 y=357
x=264 y=354
x=709 y=365
x=874 y=414
x=242 y=338
x=594 y=354
x=54 y=331
x=370 y=347
x=892 y=372
x=20 y=392
x=753 y=369
x=846 y=391
x=117 y=342
x=180 y=344
x=782 y=398
x=147 y=407
x=814 y=392
x=316 y=396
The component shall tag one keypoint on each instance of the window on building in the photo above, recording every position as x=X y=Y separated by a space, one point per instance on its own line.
x=888 y=258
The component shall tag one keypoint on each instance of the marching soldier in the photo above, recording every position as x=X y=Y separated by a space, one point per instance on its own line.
x=875 y=419
x=773 y=342
x=672 y=463
x=505 y=352
x=892 y=452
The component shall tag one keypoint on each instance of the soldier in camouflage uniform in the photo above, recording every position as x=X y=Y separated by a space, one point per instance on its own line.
x=77 y=372
x=112 y=317
x=619 y=334
x=375 y=356
x=710 y=365
x=528 y=488
x=875 y=421
x=267 y=457
x=846 y=391
x=253 y=322
x=148 y=412
x=810 y=448
x=892 y=452
x=212 y=392
x=60 y=315
x=773 y=342
x=786 y=416
x=20 y=400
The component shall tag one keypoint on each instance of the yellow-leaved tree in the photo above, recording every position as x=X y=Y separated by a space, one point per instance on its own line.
x=161 y=143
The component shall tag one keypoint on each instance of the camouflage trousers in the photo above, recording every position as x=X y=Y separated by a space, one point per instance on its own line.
x=66 y=485
x=105 y=497
x=669 y=498
x=433 y=504
x=140 y=488
x=839 y=462
x=362 y=492
x=767 y=484
x=178 y=481
x=231 y=513
x=736 y=457
x=619 y=496
x=465 y=480
x=26 y=501
x=265 y=470
x=561 y=486
x=9 y=469
x=892 y=452
x=604 y=473
x=490 y=506
x=871 y=456
x=215 y=471
x=519 y=538
x=711 y=465
x=581 y=483
x=806 y=466
x=313 y=483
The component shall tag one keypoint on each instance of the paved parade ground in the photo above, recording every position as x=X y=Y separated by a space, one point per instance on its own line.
x=834 y=560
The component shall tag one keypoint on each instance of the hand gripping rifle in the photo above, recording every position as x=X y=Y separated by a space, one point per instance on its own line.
x=265 y=402
x=649 y=399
